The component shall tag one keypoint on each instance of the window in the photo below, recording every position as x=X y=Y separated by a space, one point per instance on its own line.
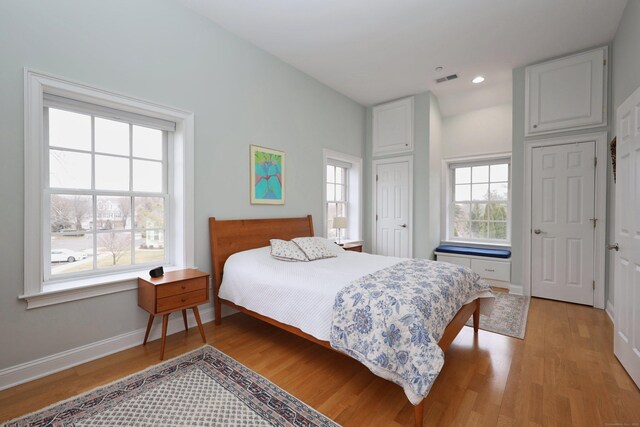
x=108 y=190
x=337 y=205
x=343 y=182
x=479 y=201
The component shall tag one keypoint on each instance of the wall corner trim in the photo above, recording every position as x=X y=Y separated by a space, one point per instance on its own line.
x=611 y=312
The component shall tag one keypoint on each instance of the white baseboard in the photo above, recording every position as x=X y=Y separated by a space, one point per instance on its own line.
x=47 y=365
x=516 y=290
x=610 y=311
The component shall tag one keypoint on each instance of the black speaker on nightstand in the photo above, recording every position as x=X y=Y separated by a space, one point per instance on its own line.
x=156 y=272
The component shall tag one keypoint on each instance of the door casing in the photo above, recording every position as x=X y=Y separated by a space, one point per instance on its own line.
x=374 y=186
x=600 y=139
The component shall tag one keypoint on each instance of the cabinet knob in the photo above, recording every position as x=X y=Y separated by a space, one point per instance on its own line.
x=183 y=287
x=183 y=300
x=535 y=126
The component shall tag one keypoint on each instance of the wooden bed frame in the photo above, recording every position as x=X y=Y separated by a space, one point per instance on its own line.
x=230 y=236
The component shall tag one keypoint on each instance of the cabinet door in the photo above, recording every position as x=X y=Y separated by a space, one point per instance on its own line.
x=465 y=262
x=393 y=127
x=567 y=93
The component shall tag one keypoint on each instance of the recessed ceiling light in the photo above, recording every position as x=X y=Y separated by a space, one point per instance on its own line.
x=438 y=69
x=478 y=79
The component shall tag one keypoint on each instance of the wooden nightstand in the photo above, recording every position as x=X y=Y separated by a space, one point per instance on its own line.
x=354 y=247
x=176 y=290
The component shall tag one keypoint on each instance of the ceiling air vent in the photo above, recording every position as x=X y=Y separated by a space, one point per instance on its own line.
x=447 y=78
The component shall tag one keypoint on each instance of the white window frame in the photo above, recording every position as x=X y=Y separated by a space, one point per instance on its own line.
x=180 y=185
x=354 y=193
x=447 y=198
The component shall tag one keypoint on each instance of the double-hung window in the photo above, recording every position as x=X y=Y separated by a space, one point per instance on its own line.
x=342 y=195
x=106 y=190
x=479 y=201
x=337 y=200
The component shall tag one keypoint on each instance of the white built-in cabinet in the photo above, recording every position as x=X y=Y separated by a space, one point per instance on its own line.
x=567 y=93
x=393 y=127
x=496 y=270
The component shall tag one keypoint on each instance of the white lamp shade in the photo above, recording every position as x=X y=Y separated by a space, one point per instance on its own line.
x=340 y=222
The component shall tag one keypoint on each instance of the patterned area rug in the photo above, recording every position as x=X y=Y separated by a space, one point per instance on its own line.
x=509 y=316
x=202 y=388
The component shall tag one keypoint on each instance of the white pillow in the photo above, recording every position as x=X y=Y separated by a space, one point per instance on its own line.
x=286 y=251
x=331 y=245
x=313 y=248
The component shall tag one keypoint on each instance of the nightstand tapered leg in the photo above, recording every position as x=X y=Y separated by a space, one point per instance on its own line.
x=197 y=314
x=146 y=334
x=184 y=317
x=165 y=322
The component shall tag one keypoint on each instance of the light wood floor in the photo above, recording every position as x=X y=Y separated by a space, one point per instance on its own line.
x=564 y=373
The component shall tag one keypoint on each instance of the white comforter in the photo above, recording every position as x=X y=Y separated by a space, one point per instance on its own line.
x=300 y=294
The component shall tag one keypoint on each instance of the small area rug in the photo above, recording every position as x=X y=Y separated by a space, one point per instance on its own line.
x=509 y=316
x=202 y=388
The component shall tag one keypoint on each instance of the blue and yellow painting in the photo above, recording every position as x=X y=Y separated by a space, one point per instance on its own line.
x=268 y=174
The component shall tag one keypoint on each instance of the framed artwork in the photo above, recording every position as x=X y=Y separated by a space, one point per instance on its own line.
x=267 y=176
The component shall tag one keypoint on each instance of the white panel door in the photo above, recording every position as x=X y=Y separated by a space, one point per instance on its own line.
x=627 y=234
x=566 y=93
x=563 y=234
x=392 y=209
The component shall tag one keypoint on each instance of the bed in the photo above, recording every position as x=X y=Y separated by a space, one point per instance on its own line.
x=247 y=241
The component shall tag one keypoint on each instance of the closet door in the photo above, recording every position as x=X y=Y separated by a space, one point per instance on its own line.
x=567 y=93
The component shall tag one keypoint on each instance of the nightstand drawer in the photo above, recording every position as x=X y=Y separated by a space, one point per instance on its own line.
x=182 y=300
x=182 y=287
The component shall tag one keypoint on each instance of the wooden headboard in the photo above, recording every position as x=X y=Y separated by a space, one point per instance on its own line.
x=230 y=236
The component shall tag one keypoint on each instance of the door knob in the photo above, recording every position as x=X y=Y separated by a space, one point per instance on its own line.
x=537 y=231
x=403 y=225
x=614 y=247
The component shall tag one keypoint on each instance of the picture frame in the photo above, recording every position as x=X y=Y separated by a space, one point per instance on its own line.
x=267 y=175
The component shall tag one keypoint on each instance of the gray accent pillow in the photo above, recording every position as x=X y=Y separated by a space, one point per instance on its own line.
x=314 y=248
x=286 y=251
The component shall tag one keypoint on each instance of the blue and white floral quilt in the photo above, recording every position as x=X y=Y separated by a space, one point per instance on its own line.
x=392 y=320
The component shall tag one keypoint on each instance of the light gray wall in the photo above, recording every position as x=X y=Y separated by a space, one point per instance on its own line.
x=517 y=174
x=422 y=247
x=421 y=202
x=626 y=55
x=478 y=132
x=435 y=173
x=625 y=80
x=159 y=51
x=517 y=177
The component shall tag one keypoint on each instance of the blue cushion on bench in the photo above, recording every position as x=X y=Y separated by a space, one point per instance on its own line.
x=465 y=250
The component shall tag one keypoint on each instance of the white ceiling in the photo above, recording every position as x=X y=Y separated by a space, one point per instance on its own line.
x=377 y=50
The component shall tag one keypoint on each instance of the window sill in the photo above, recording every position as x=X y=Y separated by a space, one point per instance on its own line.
x=73 y=290
x=477 y=244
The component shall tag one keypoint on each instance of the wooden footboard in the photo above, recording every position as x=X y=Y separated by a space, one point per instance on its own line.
x=231 y=236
